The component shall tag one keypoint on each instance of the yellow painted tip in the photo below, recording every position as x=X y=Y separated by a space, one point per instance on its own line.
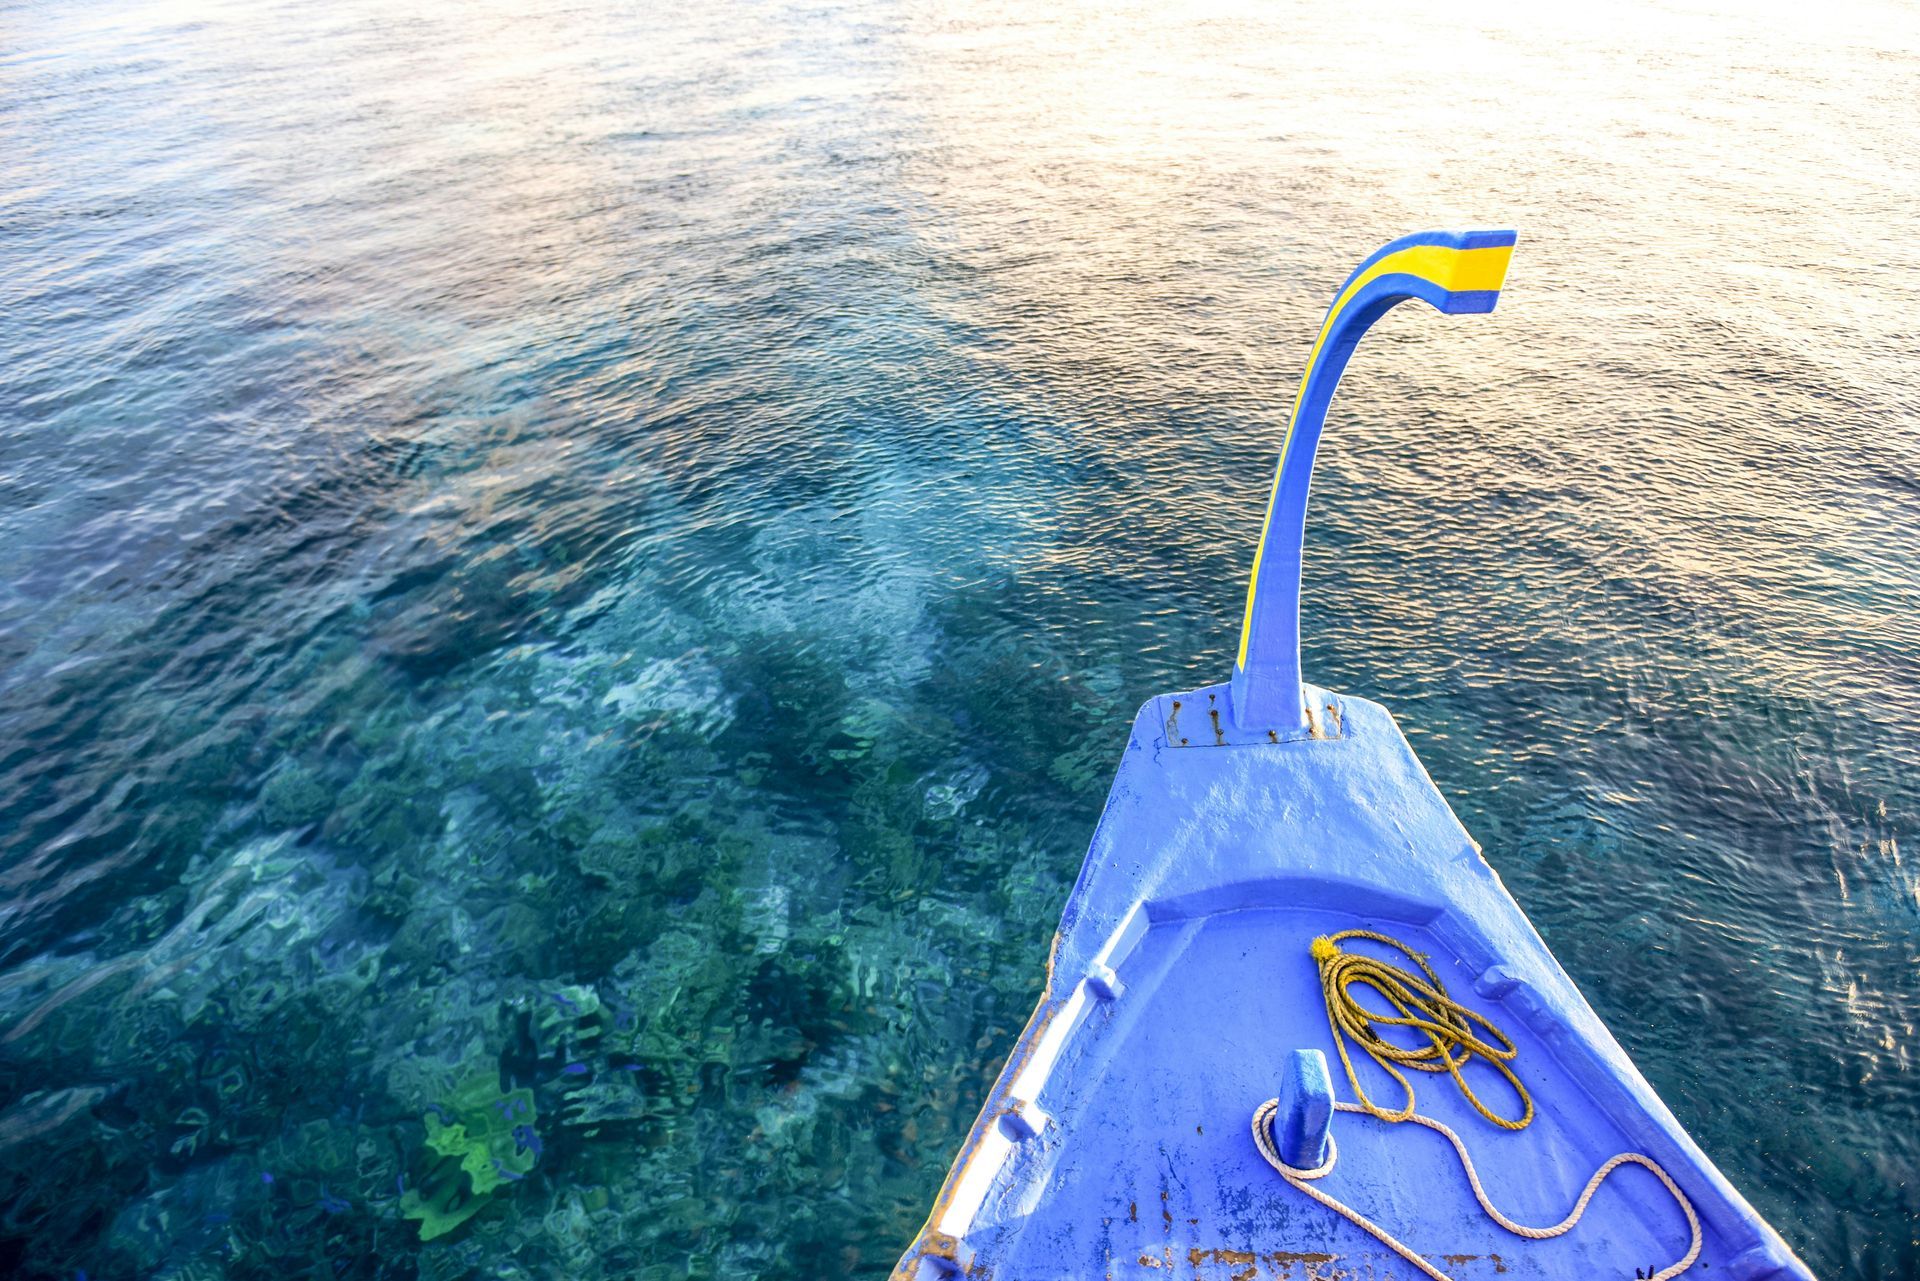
x=1473 y=270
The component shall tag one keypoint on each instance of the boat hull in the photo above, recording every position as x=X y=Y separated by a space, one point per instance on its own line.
x=1116 y=1140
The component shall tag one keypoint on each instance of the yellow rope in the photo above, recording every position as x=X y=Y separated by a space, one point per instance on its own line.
x=1448 y=1026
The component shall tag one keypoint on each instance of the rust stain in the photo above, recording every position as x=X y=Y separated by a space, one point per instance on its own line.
x=936 y=1244
x=1248 y=1259
x=1248 y=1265
x=1310 y=1263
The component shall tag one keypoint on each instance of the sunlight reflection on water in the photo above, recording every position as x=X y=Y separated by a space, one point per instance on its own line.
x=574 y=550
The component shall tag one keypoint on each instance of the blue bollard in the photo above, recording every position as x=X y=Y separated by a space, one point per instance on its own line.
x=1301 y=1126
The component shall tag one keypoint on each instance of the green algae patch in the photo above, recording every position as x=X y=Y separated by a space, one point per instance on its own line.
x=481 y=1140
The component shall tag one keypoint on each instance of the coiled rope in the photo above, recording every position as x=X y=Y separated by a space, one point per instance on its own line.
x=1447 y=1025
x=1451 y=1043
x=1302 y=1179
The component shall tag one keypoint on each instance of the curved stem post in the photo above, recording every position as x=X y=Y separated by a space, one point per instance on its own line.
x=1456 y=272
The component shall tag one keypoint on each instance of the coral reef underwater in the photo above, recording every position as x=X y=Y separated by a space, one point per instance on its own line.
x=598 y=957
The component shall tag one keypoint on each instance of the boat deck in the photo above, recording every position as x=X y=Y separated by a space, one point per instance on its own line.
x=1116 y=1142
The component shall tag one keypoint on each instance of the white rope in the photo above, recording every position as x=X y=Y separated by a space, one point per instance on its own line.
x=1301 y=1179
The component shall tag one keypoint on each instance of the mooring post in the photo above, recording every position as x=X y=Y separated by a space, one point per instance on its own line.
x=1305 y=1118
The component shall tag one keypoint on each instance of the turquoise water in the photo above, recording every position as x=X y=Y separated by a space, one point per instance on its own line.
x=574 y=579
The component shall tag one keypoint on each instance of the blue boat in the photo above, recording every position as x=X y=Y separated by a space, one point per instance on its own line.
x=1294 y=1025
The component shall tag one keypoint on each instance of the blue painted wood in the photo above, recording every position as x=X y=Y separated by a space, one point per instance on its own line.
x=1305 y=1118
x=1455 y=272
x=1116 y=1141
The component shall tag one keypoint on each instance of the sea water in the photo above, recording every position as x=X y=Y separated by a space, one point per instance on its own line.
x=572 y=579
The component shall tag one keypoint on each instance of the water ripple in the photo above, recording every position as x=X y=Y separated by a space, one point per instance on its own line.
x=593 y=564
